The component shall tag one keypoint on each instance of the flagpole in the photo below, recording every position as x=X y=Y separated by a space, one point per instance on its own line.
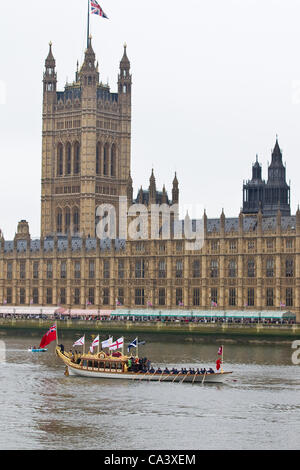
x=56 y=334
x=88 y=25
x=137 y=347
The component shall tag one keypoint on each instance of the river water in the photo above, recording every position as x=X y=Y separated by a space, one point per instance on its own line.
x=257 y=408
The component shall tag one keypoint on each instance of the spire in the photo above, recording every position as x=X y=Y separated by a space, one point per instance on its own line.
x=175 y=190
x=164 y=195
x=125 y=61
x=125 y=79
x=256 y=170
x=152 y=188
x=276 y=154
x=50 y=77
x=129 y=189
x=89 y=74
x=50 y=61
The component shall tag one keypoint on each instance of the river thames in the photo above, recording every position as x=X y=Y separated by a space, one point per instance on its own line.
x=257 y=408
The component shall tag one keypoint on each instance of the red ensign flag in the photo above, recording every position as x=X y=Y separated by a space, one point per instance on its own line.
x=48 y=337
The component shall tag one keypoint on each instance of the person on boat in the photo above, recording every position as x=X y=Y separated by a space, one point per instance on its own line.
x=62 y=348
x=159 y=371
x=211 y=371
x=129 y=364
x=152 y=370
x=166 y=371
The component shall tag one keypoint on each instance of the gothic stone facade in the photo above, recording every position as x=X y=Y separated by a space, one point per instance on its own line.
x=249 y=262
x=245 y=263
x=86 y=146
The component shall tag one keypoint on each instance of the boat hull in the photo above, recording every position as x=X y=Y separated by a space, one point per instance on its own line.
x=37 y=350
x=186 y=378
x=73 y=369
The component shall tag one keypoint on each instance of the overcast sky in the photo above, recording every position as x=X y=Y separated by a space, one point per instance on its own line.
x=213 y=83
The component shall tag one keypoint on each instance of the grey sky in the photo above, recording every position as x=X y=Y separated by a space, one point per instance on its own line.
x=213 y=83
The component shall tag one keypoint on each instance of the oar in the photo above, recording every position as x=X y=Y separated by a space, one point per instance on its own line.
x=169 y=375
x=196 y=373
x=144 y=376
x=161 y=376
x=184 y=377
x=176 y=377
x=135 y=378
x=152 y=376
x=204 y=377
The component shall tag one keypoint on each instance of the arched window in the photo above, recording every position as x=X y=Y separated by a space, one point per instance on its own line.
x=76 y=225
x=60 y=162
x=59 y=220
x=251 y=268
x=76 y=158
x=113 y=160
x=98 y=159
x=232 y=268
x=68 y=158
x=105 y=160
x=67 y=219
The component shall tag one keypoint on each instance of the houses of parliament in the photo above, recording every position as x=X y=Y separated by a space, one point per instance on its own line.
x=248 y=262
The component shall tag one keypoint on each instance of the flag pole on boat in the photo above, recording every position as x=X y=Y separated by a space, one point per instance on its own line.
x=56 y=334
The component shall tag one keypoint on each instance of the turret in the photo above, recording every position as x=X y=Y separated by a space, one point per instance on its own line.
x=50 y=77
x=89 y=75
x=298 y=221
x=222 y=224
x=129 y=191
x=175 y=191
x=125 y=79
x=152 y=189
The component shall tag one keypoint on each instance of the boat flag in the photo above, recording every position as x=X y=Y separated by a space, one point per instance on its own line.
x=132 y=345
x=117 y=344
x=48 y=337
x=135 y=344
x=107 y=343
x=80 y=342
x=94 y=344
x=97 y=10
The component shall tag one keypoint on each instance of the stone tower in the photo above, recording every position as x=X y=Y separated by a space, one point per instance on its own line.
x=86 y=152
x=268 y=196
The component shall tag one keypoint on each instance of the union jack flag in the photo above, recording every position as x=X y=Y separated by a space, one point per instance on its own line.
x=97 y=10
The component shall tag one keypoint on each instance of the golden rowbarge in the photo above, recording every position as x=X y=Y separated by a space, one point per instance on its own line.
x=104 y=366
